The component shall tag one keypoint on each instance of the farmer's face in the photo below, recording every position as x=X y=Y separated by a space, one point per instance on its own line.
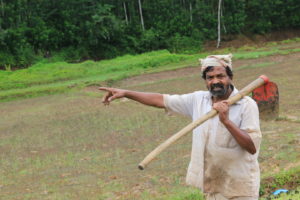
x=218 y=82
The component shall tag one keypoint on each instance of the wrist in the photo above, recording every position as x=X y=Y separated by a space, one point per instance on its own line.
x=226 y=122
x=126 y=93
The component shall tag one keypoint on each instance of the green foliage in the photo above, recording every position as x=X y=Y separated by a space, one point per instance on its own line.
x=53 y=75
x=85 y=29
x=6 y=61
x=183 y=44
x=70 y=54
x=149 y=41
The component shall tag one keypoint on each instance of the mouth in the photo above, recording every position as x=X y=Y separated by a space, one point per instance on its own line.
x=217 y=88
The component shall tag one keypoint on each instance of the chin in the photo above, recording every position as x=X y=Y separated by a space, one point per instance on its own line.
x=218 y=94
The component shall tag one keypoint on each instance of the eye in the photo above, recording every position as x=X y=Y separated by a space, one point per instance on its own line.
x=221 y=76
x=209 y=78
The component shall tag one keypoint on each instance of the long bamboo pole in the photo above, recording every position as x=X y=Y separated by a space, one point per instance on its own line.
x=245 y=91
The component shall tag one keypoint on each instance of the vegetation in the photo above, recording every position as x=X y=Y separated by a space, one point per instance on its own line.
x=69 y=146
x=289 y=179
x=76 y=30
x=44 y=73
x=293 y=194
x=50 y=76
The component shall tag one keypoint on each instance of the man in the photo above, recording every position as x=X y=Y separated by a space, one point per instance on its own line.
x=225 y=148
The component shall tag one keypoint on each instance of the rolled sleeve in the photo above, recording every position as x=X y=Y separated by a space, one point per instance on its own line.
x=250 y=121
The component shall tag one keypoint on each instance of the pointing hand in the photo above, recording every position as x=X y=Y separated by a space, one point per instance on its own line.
x=112 y=94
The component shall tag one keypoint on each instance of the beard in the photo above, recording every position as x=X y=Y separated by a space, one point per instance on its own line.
x=218 y=90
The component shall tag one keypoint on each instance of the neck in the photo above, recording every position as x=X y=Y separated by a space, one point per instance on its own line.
x=224 y=97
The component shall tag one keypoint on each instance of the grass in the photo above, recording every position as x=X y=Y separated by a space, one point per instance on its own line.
x=73 y=148
x=289 y=179
x=69 y=146
x=290 y=195
x=257 y=65
x=49 y=78
x=292 y=40
x=190 y=194
x=46 y=73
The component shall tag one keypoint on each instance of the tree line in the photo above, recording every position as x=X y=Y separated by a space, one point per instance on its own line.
x=101 y=29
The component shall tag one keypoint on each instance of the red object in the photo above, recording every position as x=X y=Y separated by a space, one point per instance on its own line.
x=267 y=92
x=267 y=99
x=265 y=78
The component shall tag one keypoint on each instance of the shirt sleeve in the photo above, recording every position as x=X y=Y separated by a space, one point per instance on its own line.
x=250 y=121
x=182 y=104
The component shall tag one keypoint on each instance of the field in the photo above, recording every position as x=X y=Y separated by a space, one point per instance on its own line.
x=70 y=146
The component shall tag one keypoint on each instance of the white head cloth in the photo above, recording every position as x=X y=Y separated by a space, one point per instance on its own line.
x=216 y=61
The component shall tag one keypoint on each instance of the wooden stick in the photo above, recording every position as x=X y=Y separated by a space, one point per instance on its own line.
x=245 y=91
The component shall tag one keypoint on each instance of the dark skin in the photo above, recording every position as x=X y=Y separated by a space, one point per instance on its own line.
x=216 y=75
x=150 y=99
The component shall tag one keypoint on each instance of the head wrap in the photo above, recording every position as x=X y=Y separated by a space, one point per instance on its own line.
x=216 y=61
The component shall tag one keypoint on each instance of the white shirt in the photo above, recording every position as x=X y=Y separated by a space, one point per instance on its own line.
x=218 y=163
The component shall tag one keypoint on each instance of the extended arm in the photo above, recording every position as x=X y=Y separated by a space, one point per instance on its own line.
x=241 y=136
x=150 y=99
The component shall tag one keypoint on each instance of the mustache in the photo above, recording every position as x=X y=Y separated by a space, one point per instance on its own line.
x=218 y=93
x=217 y=85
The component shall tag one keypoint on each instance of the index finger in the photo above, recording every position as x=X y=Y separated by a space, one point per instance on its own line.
x=104 y=89
x=225 y=101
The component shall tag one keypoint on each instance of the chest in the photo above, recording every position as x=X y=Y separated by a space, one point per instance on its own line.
x=215 y=132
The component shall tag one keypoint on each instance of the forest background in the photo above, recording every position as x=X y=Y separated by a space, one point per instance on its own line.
x=77 y=30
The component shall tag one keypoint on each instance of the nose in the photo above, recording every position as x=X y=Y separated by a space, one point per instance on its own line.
x=215 y=80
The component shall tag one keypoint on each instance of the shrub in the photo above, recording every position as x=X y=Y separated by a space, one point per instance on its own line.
x=184 y=44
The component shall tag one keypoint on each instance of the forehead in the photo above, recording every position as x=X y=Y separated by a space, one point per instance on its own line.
x=216 y=70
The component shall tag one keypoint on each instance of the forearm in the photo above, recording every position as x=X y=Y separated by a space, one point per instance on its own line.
x=242 y=138
x=150 y=99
